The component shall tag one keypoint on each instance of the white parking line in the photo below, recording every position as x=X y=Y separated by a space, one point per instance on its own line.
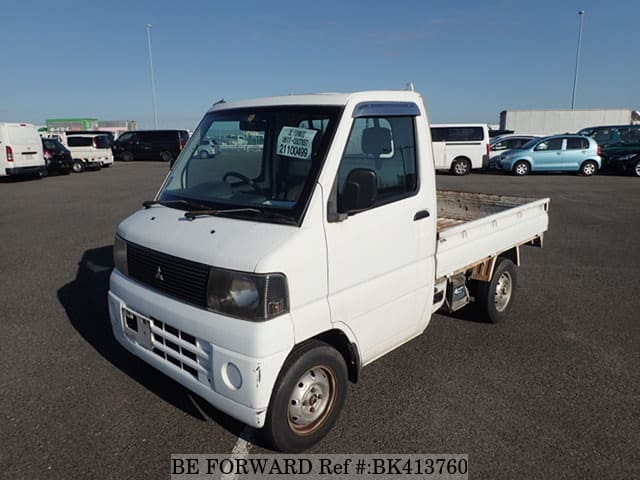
x=240 y=450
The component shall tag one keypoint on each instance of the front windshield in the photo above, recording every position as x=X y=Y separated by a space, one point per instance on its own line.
x=263 y=159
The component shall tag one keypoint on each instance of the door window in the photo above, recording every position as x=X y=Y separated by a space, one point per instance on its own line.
x=577 y=143
x=385 y=145
x=551 y=144
x=125 y=138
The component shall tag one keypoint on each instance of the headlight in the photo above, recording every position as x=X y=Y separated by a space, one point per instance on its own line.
x=256 y=297
x=120 y=254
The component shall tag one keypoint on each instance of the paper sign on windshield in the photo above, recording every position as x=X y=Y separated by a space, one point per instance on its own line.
x=296 y=142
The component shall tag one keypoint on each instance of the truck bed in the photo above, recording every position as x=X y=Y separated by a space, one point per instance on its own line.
x=475 y=226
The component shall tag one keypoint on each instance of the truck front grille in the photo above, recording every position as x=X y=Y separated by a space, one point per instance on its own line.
x=182 y=279
x=182 y=350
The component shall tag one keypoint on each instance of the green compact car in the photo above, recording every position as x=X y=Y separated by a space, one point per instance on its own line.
x=615 y=141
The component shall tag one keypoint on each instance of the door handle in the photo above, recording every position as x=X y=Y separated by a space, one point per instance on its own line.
x=421 y=214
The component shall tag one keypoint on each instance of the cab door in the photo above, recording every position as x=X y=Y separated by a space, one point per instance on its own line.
x=380 y=258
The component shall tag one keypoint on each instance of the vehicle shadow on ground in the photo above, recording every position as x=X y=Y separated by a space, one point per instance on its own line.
x=85 y=301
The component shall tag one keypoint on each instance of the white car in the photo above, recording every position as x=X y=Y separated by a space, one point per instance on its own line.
x=207 y=148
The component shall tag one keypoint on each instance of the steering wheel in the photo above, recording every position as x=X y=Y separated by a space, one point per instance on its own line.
x=242 y=177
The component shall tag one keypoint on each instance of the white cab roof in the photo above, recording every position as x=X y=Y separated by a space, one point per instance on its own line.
x=339 y=99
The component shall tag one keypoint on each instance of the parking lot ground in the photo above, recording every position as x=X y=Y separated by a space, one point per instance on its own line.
x=551 y=393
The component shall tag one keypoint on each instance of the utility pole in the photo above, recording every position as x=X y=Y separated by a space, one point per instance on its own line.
x=153 y=80
x=575 y=76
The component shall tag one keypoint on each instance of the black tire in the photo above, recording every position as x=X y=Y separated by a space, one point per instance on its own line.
x=313 y=374
x=588 y=168
x=77 y=166
x=127 y=156
x=521 y=168
x=460 y=167
x=203 y=154
x=495 y=299
x=166 y=156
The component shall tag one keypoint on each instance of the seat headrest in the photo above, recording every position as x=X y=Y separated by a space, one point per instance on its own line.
x=376 y=141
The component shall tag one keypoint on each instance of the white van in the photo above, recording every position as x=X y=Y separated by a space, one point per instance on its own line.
x=20 y=150
x=460 y=147
x=88 y=150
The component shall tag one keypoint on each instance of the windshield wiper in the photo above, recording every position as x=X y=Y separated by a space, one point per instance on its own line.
x=168 y=203
x=192 y=214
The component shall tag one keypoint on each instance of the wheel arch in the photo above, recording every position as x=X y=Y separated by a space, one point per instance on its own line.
x=347 y=349
x=461 y=157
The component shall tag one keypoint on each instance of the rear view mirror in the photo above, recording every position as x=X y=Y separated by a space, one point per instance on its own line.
x=253 y=126
x=360 y=191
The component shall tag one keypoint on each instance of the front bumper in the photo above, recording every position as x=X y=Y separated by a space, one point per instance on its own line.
x=233 y=364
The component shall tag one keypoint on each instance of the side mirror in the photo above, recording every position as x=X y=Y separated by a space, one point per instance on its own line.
x=360 y=191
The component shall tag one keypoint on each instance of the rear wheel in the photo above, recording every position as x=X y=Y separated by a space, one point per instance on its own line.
x=78 y=166
x=127 y=156
x=461 y=166
x=589 y=168
x=307 y=398
x=521 y=168
x=495 y=298
x=166 y=156
x=636 y=169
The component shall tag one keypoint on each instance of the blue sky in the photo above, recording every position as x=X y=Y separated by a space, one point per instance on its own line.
x=470 y=60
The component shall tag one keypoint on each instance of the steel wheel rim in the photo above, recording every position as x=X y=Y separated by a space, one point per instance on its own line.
x=76 y=167
x=504 y=290
x=589 y=169
x=637 y=170
x=312 y=400
x=521 y=169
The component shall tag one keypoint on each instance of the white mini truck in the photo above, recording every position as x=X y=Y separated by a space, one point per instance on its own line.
x=314 y=241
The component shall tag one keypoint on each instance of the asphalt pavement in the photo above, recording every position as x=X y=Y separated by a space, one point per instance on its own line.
x=553 y=392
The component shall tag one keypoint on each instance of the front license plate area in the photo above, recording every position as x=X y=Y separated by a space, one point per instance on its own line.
x=138 y=327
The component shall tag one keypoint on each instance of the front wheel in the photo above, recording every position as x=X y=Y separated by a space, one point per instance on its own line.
x=521 y=168
x=495 y=298
x=307 y=398
x=636 y=169
x=589 y=168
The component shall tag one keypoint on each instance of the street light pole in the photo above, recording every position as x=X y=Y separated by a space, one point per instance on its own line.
x=153 y=81
x=575 y=76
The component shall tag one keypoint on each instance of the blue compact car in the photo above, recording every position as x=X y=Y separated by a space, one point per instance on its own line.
x=558 y=153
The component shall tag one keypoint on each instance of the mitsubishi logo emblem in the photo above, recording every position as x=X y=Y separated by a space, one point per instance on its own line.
x=159 y=274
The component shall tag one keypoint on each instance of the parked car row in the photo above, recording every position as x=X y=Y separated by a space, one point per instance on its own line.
x=614 y=147
x=25 y=151
x=88 y=150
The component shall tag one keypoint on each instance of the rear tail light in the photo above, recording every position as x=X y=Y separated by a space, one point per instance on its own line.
x=182 y=144
x=47 y=154
x=9 y=154
x=488 y=148
x=599 y=150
